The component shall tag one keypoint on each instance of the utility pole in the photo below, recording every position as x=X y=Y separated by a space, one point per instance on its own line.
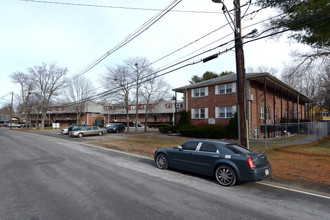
x=241 y=78
x=137 y=97
x=11 y=111
x=240 y=71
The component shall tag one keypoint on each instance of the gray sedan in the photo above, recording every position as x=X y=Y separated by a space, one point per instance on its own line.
x=88 y=130
x=227 y=162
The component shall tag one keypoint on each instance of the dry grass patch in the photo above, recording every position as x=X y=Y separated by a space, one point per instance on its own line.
x=308 y=164
x=145 y=145
x=305 y=164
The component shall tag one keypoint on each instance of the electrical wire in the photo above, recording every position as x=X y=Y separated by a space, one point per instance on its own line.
x=177 y=68
x=177 y=61
x=129 y=38
x=118 y=7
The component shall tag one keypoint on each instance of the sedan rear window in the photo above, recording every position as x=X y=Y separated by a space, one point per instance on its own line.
x=190 y=145
x=237 y=149
x=208 y=148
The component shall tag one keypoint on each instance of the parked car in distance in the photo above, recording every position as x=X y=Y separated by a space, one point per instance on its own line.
x=116 y=128
x=87 y=130
x=107 y=125
x=65 y=130
x=227 y=162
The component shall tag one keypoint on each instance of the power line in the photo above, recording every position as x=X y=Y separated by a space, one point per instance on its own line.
x=108 y=92
x=118 y=7
x=129 y=38
x=189 y=44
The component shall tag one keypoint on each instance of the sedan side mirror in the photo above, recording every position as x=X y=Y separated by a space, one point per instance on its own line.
x=179 y=148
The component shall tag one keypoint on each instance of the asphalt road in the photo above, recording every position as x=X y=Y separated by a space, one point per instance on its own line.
x=43 y=177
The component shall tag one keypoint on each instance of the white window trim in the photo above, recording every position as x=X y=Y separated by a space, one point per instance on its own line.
x=206 y=89
x=276 y=114
x=193 y=111
x=233 y=88
x=217 y=111
x=256 y=133
x=262 y=113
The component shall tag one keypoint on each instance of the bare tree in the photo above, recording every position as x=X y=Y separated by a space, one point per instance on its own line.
x=77 y=93
x=120 y=82
x=141 y=67
x=117 y=81
x=27 y=85
x=263 y=69
x=324 y=91
x=311 y=79
x=5 y=110
x=49 y=80
x=35 y=107
x=153 y=90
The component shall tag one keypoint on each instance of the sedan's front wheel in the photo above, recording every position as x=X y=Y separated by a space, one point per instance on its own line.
x=100 y=133
x=80 y=135
x=225 y=175
x=161 y=161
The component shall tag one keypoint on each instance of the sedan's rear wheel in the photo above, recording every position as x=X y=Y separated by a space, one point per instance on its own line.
x=161 y=161
x=80 y=135
x=100 y=133
x=225 y=175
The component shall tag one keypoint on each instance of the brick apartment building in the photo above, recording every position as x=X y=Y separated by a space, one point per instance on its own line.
x=96 y=114
x=269 y=103
x=163 y=112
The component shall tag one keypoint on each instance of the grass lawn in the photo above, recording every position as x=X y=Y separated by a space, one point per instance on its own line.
x=308 y=164
x=143 y=145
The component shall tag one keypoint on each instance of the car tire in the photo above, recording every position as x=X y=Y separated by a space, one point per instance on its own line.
x=225 y=175
x=80 y=135
x=161 y=161
x=100 y=133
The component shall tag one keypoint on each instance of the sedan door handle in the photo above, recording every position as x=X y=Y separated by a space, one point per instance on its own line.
x=214 y=156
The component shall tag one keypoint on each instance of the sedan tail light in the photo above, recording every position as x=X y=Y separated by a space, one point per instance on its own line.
x=251 y=163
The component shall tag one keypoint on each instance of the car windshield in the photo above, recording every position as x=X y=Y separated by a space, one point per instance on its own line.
x=236 y=149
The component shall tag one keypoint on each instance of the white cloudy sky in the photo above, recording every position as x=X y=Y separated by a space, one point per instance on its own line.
x=75 y=36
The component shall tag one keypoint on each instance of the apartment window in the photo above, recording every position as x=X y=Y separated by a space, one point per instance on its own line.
x=228 y=88
x=275 y=114
x=168 y=106
x=93 y=115
x=256 y=133
x=225 y=89
x=199 y=113
x=226 y=112
x=179 y=105
x=133 y=107
x=286 y=114
x=222 y=89
x=262 y=113
x=200 y=92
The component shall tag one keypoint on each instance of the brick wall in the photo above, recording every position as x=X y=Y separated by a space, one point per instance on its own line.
x=257 y=90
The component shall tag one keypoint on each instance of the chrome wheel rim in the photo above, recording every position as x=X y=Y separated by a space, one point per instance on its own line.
x=225 y=176
x=161 y=161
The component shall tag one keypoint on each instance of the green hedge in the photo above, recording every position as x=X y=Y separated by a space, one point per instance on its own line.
x=160 y=125
x=167 y=128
